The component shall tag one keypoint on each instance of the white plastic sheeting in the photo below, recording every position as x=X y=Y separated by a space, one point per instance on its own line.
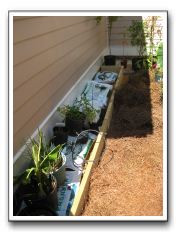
x=106 y=77
x=97 y=94
x=75 y=160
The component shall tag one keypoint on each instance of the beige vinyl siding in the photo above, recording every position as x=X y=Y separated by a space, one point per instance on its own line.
x=50 y=54
x=120 y=28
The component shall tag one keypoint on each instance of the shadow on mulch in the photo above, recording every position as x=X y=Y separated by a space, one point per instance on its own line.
x=132 y=108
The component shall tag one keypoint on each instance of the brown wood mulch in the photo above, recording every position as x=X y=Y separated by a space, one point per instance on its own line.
x=128 y=180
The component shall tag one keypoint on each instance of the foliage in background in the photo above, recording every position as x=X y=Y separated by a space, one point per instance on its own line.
x=79 y=109
x=151 y=31
x=72 y=112
x=142 y=34
x=159 y=54
x=87 y=108
x=137 y=36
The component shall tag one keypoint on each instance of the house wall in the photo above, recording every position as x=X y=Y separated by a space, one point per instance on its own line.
x=49 y=56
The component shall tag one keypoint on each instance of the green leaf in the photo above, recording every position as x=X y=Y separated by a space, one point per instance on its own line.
x=29 y=172
x=52 y=157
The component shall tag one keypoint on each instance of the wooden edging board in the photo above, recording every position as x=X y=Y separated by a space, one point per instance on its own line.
x=80 y=198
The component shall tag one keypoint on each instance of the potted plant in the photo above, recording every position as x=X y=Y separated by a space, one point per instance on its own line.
x=74 y=118
x=37 y=184
x=56 y=163
x=137 y=36
x=88 y=109
x=79 y=114
x=109 y=59
x=60 y=135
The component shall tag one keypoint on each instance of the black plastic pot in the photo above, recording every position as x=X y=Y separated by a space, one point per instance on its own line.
x=75 y=125
x=139 y=63
x=31 y=198
x=60 y=135
x=109 y=60
x=124 y=62
x=17 y=202
x=136 y=63
x=37 y=211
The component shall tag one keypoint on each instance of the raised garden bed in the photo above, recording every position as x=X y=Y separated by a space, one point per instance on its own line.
x=80 y=198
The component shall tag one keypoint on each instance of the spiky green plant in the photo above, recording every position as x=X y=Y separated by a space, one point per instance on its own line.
x=44 y=162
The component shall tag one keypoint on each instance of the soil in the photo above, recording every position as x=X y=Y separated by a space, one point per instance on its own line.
x=128 y=180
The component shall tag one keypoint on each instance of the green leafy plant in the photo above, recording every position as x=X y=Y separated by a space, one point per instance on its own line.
x=159 y=55
x=142 y=35
x=151 y=30
x=87 y=108
x=137 y=36
x=72 y=112
x=81 y=108
x=43 y=164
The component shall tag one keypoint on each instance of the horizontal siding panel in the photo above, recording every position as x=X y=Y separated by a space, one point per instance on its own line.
x=127 y=20
x=120 y=31
x=37 y=45
x=119 y=36
x=50 y=54
x=26 y=29
x=120 y=42
x=30 y=88
x=44 y=60
x=24 y=114
x=23 y=134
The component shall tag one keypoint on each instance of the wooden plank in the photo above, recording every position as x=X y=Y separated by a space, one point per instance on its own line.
x=81 y=196
x=108 y=115
x=120 y=79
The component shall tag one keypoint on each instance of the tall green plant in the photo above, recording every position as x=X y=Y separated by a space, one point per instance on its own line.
x=142 y=34
x=137 y=36
x=110 y=21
